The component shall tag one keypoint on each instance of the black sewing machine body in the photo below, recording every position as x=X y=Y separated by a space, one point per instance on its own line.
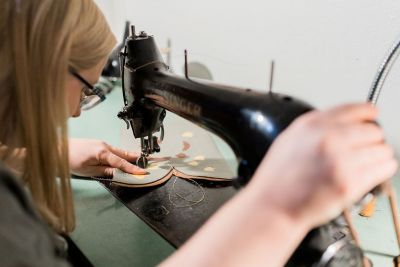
x=247 y=120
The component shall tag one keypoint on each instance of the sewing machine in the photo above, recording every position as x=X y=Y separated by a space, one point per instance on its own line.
x=247 y=120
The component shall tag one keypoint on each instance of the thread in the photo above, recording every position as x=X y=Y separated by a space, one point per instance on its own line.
x=176 y=193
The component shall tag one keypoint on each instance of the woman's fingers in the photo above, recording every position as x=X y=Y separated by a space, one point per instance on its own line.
x=109 y=159
x=127 y=155
x=370 y=155
x=130 y=156
x=373 y=175
x=352 y=113
x=355 y=168
x=360 y=134
x=103 y=171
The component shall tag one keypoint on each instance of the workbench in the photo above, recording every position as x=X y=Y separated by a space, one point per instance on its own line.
x=135 y=227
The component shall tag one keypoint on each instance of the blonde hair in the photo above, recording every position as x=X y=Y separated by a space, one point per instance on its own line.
x=40 y=41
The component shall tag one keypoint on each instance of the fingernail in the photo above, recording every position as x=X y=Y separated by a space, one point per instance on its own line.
x=142 y=171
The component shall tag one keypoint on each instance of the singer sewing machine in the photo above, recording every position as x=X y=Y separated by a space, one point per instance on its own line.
x=247 y=120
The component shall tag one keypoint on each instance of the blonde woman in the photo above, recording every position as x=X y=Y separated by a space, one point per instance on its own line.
x=53 y=51
x=46 y=46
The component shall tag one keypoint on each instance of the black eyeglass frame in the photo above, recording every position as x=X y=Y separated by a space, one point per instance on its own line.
x=93 y=89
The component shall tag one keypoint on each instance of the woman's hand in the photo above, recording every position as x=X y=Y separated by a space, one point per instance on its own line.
x=96 y=158
x=324 y=162
x=320 y=165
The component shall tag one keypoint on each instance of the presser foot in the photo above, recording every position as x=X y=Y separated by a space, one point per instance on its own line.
x=142 y=162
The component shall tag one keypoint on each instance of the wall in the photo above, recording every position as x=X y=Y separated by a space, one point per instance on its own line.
x=326 y=52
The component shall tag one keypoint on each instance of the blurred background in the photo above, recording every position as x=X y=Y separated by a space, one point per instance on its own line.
x=325 y=52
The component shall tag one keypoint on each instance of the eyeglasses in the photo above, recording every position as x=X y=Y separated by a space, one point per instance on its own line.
x=91 y=95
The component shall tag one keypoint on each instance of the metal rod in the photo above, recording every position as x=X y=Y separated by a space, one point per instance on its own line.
x=169 y=52
x=354 y=234
x=126 y=30
x=271 y=76
x=150 y=141
x=186 y=65
x=373 y=95
x=133 y=31
x=394 y=210
x=122 y=71
x=382 y=73
x=142 y=145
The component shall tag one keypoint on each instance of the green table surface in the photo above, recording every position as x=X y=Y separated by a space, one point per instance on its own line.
x=107 y=232
x=111 y=235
